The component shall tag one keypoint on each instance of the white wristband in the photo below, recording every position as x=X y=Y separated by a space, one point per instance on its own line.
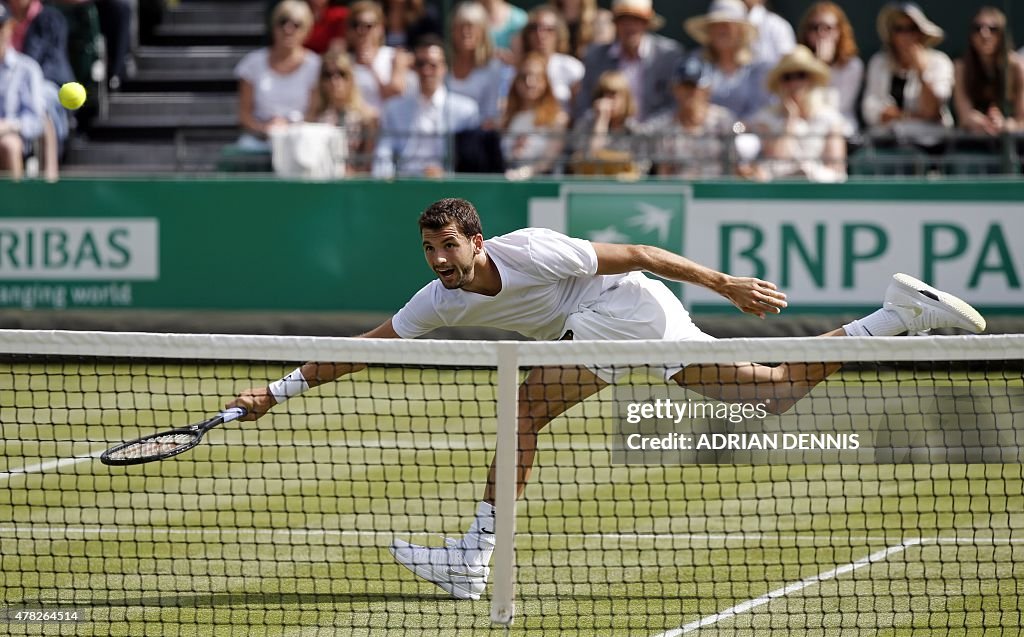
x=291 y=385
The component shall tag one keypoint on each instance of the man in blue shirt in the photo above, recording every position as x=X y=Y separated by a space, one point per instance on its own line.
x=22 y=106
x=418 y=129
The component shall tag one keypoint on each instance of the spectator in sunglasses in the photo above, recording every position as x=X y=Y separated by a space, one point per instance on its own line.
x=989 y=91
x=382 y=72
x=827 y=32
x=336 y=101
x=547 y=35
x=275 y=82
x=802 y=132
x=909 y=83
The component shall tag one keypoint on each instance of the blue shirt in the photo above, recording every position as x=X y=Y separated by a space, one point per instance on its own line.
x=744 y=91
x=21 y=93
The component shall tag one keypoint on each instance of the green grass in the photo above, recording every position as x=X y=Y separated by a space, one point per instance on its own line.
x=281 y=527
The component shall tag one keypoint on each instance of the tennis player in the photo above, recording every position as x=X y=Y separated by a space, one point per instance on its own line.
x=548 y=286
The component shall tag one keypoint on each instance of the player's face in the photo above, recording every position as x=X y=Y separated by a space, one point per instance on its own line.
x=450 y=254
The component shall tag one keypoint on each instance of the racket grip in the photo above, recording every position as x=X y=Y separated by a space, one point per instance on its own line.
x=234 y=413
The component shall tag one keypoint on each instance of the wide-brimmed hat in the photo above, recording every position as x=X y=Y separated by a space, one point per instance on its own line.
x=799 y=59
x=933 y=33
x=733 y=11
x=643 y=9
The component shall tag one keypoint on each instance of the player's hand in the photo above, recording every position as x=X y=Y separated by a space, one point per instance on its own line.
x=256 y=401
x=754 y=296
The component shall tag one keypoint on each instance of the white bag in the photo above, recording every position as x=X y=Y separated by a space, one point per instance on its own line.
x=309 y=151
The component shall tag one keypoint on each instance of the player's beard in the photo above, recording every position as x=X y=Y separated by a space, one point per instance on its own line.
x=458 y=277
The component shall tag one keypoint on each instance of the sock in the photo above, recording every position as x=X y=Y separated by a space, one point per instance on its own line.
x=881 y=322
x=478 y=542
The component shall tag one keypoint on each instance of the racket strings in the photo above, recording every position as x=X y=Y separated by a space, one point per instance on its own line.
x=156 y=446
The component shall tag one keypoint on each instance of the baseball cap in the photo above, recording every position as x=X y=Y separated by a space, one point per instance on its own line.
x=693 y=70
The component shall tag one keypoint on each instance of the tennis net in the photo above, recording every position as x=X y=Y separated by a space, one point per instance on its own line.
x=889 y=500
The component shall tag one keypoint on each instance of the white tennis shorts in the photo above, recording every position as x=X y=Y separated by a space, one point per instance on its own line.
x=635 y=308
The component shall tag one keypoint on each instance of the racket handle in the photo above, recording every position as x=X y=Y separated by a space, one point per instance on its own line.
x=234 y=413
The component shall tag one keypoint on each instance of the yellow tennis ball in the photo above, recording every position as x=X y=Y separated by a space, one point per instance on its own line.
x=72 y=96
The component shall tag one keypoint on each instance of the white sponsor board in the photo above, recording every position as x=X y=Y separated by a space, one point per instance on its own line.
x=843 y=252
x=68 y=249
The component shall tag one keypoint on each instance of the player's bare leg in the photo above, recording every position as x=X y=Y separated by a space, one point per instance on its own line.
x=460 y=567
x=547 y=393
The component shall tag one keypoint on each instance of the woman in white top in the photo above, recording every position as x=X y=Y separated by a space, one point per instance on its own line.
x=274 y=83
x=909 y=83
x=474 y=71
x=534 y=122
x=382 y=71
x=827 y=31
x=803 y=132
x=545 y=33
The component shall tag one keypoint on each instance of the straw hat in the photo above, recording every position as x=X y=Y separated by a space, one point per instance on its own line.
x=733 y=11
x=643 y=9
x=933 y=33
x=799 y=59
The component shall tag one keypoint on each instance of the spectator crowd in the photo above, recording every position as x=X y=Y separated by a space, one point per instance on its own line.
x=388 y=89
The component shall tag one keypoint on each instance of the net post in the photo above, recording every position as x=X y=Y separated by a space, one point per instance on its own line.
x=502 y=600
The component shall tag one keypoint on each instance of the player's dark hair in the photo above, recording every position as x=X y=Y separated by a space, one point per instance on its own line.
x=458 y=211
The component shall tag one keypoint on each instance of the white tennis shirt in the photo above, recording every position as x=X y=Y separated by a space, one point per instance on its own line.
x=545 y=276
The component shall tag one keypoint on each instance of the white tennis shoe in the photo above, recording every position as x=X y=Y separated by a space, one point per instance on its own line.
x=445 y=566
x=921 y=307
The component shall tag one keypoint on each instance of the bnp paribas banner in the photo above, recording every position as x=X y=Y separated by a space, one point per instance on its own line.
x=833 y=250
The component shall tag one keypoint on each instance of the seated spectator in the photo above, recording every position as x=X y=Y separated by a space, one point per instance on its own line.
x=545 y=34
x=41 y=32
x=329 y=22
x=689 y=140
x=275 y=82
x=22 y=106
x=775 y=36
x=407 y=20
x=534 y=122
x=647 y=60
x=415 y=129
x=382 y=72
x=505 y=21
x=803 y=133
x=475 y=72
x=908 y=83
x=726 y=35
x=336 y=101
x=587 y=24
x=608 y=139
x=826 y=30
x=989 y=89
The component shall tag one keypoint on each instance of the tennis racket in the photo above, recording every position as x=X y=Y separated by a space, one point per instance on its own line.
x=163 y=445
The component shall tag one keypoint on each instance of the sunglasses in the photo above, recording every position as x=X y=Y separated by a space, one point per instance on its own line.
x=542 y=28
x=979 y=27
x=284 y=23
x=822 y=27
x=426 y=64
x=795 y=75
x=363 y=26
x=905 y=28
x=334 y=75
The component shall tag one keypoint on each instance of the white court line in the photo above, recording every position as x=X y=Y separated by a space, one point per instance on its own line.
x=787 y=589
x=50 y=464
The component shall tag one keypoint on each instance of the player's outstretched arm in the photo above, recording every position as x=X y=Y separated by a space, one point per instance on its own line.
x=749 y=294
x=258 y=400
